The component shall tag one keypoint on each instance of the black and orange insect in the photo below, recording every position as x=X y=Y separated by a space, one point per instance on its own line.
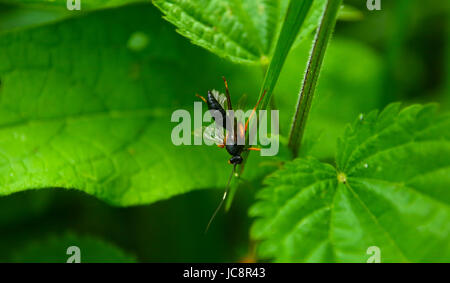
x=235 y=131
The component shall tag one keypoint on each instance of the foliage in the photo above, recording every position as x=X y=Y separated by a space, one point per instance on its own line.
x=309 y=83
x=54 y=250
x=242 y=31
x=349 y=84
x=389 y=189
x=86 y=99
x=65 y=124
x=91 y=4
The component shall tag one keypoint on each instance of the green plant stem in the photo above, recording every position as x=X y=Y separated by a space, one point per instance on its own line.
x=295 y=16
x=323 y=35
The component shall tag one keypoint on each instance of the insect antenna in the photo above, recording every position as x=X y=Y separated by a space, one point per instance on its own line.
x=227 y=92
x=227 y=189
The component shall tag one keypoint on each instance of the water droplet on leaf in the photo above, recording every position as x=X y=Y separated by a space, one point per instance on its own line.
x=138 y=41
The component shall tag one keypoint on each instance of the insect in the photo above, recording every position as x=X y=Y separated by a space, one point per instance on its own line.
x=235 y=131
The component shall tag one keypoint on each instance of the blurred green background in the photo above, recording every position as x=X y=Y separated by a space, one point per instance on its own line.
x=398 y=53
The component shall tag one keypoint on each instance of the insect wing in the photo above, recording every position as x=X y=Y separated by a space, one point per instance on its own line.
x=220 y=97
x=211 y=134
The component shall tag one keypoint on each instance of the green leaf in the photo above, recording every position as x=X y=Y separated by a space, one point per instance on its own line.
x=241 y=31
x=312 y=21
x=79 y=109
x=85 y=5
x=389 y=190
x=14 y=17
x=349 y=69
x=22 y=14
x=54 y=250
x=223 y=27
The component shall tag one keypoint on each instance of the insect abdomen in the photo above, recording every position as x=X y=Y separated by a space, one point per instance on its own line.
x=213 y=104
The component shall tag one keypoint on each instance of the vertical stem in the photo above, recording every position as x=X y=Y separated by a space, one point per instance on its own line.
x=295 y=17
x=293 y=21
x=320 y=44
